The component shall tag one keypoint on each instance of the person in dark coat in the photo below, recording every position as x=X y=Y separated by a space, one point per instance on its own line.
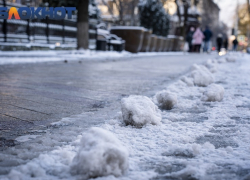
x=235 y=44
x=226 y=42
x=208 y=35
x=219 y=41
x=189 y=38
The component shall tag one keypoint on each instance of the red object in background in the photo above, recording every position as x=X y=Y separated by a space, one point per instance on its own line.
x=213 y=48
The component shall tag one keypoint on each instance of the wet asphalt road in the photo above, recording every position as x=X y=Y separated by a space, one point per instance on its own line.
x=34 y=95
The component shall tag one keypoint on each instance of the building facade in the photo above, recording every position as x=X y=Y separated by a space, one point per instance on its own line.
x=210 y=16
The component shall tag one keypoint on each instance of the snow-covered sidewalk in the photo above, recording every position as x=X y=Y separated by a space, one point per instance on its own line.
x=204 y=136
x=17 y=57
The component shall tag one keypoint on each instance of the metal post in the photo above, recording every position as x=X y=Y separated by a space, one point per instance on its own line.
x=109 y=44
x=47 y=29
x=186 y=6
x=5 y=24
x=96 y=36
x=28 y=30
x=28 y=24
x=63 y=33
x=47 y=24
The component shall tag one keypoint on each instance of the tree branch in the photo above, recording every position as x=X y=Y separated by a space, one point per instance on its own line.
x=109 y=8
x=248 y=5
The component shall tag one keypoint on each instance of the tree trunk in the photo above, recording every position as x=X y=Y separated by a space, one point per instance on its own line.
x=185 y=19
x=83 y=25
x=178 y=11
x=248 y=27
x=248 y=5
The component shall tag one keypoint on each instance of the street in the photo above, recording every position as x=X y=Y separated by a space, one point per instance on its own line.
x=34 y=95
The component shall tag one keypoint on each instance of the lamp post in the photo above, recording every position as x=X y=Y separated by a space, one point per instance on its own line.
x=47 y=24
x=186 y=5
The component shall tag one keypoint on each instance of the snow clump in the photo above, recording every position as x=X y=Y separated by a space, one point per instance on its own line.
x=166 y=100
x=201 y=75
x=189 y=150
x=100 y=154
x=188 y=81
x=231 y=59
x=214 y=92
x=139 y=110
x=222 y=60
x=211 y=65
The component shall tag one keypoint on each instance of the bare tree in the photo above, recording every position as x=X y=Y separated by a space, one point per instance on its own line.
x=178 y=11
x=125 y=9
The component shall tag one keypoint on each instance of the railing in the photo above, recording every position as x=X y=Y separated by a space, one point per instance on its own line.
x=44 y=31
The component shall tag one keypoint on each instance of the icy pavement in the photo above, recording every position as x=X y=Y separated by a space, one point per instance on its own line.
x=19 y=57
x=195 y=140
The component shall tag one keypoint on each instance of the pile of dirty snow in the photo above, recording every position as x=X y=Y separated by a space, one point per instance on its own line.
x=139 y=111
x=201 y=75
x=214 y=92
x=166 y=100
x=211 y=64
x=187 y=80
x=100 y=154
x=231 y=59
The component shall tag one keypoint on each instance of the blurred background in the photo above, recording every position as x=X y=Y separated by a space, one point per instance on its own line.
x=164 y=18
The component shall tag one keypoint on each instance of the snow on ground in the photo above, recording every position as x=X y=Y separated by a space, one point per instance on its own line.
x=17 y=57
x=196 y=139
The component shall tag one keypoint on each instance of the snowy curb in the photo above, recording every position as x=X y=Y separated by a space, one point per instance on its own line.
x=19 y=57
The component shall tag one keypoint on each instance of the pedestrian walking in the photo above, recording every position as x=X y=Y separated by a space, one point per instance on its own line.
x=189 y=38
x=219 y=41
x=235 y=44
x=197 y=39
x=208 y=35
x=226 y=42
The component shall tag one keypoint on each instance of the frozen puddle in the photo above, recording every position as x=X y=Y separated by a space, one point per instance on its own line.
x=26 y=138
x=195 y=140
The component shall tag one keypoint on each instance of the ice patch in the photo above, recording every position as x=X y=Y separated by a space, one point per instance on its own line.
x=166 y=100
x=201 y=75
x=139 y=111
x=100 y=154
x=190 y=150
x=26 y=138
x=214 y=92
x=62 y=122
